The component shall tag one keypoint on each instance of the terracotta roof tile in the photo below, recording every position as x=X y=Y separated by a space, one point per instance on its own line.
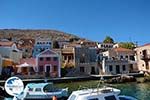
x=122 y=50
x=148 y=44
x=26 y=43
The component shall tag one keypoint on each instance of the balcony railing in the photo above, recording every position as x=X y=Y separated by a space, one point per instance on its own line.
x=145 y=57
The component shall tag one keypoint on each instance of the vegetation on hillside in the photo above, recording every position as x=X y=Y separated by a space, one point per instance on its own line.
x=26 y=33
x=108 y=39
x=127 y=45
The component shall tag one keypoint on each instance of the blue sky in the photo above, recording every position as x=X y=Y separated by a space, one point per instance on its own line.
x=123 y=20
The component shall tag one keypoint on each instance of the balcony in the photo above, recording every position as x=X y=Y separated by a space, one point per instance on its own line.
x=145 y=57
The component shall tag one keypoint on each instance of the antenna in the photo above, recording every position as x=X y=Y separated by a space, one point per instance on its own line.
x=136 y=43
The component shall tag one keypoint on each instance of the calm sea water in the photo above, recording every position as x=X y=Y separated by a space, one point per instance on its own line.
x=141 y=91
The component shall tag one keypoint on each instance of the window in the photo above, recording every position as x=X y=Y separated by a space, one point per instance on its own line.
x=30 y=89
x=110 y=68
x=93 y=99
x=41 y=59
x=113 y=58
x=65 y=57
x=72 y=97
x=38 y=90
x=81 y=69
x=69 y=57
x=82 y=59
x=143 y=65
x=132 y=58
x=112 y=97
x=124 y=67
x=26 y=50
x=121 y=57
x=55 y=68
x=55 y=58
x=48 y=59
x=40 y=68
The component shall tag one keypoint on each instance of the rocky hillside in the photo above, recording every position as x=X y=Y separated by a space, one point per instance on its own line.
x=20 y=33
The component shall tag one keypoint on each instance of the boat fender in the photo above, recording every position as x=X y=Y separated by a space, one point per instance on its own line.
x=54 y=98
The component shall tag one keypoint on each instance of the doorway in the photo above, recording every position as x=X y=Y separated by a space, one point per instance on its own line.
x=47 y=70
x=93 y=70
x=117 y=69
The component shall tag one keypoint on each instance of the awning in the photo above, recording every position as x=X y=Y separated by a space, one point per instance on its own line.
x=24 y=65
x=7 y=62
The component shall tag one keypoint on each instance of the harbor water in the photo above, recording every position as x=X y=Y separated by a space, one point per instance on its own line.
x=141 y=91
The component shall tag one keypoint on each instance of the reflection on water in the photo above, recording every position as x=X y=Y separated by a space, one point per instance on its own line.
x=140 y=91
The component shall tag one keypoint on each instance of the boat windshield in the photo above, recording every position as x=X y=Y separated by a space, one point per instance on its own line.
x=73 y=97
x=112 y=97
x=50 y=88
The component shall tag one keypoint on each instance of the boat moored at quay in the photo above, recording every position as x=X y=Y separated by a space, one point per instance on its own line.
x=105 y=93
x=41 y=91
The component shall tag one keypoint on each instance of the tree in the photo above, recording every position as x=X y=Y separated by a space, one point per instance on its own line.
x=108 y=39
x=127 y=45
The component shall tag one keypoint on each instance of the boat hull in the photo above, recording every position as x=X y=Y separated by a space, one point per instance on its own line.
x=62 y=98
x=43 y=97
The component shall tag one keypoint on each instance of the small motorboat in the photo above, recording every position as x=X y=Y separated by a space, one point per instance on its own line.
x=105 y=93
x=41 y=91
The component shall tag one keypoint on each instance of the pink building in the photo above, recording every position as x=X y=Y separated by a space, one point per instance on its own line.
x=48 y=63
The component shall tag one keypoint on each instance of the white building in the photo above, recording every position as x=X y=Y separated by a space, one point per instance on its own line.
x=9 y=50
x=105 y=46
x=143 y=57
x=119 y=61
x=41 y=44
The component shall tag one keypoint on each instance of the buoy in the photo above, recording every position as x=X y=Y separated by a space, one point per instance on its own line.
x=54 y=98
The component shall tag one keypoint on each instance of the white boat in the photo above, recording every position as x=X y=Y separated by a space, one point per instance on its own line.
x=41 y=91
x=105 y=93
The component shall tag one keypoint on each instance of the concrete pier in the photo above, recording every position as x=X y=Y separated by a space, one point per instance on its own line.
x=74 y=79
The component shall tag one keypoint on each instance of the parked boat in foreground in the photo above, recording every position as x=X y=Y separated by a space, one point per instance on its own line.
x=105 y=93
x=41 y=91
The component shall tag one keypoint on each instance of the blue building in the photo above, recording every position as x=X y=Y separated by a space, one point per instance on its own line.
x=41 y=45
